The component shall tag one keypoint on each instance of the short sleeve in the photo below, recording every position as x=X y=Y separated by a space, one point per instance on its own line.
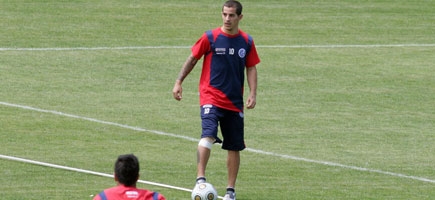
x=252 y=59
x=201 y=47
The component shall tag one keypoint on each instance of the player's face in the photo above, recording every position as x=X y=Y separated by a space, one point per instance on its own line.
x=230 y=20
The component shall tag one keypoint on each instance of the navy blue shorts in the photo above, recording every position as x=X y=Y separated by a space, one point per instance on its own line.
x=231 y=124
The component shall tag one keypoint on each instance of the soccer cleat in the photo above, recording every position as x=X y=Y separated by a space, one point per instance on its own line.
x=230 y=196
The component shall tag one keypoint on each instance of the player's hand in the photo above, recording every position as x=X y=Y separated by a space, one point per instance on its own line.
x=177 y=91
x=251 y=102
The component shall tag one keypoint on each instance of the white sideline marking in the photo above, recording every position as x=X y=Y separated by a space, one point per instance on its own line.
x=93 y=48
x=98 y=121
x=342 y=166
x=187 y=47
x=346 y=46
x=247 y=149
x=85 y=171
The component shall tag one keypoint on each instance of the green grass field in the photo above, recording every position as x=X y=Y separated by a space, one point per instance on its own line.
x=345 y=105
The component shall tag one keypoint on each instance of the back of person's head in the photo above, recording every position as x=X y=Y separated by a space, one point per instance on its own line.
x=234 y=4
x=127 y=169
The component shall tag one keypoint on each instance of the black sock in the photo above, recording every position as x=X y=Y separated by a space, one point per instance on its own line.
x=231 y=190
x=200 y=178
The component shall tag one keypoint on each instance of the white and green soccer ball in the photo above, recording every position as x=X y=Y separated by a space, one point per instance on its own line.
x=204 y=191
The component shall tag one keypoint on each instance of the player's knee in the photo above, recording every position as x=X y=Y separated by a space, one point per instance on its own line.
x=206 y=142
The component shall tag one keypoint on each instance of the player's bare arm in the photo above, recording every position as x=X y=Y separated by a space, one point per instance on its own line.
x=185 y=70
x=251 y=75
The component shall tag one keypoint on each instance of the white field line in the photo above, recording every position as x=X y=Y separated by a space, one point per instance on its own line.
x=93 y=48
x=247 y=149
x=89 y=172
x=187 y=47
x=85 y=171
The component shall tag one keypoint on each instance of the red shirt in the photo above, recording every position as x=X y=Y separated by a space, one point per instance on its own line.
x=122 y=192
x=222 y=77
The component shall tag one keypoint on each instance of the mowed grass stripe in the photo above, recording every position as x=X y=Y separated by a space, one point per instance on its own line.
x=193 y=139
x=186 y=47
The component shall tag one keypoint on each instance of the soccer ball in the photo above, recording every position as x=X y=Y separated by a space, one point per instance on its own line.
x=204 y=191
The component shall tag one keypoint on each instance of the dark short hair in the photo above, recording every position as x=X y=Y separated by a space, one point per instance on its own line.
x=127 y=169
x=232 y=4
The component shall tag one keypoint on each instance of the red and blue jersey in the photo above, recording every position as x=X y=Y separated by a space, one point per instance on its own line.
x=225 y=58
x=122 y=192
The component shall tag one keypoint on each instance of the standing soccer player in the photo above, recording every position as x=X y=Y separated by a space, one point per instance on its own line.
x=228 y=52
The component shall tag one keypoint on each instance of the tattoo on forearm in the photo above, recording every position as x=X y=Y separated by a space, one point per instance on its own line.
x=192 y=60
x=187 y=67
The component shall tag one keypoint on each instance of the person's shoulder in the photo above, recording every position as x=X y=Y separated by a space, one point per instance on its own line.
x=211 y=32
x=148 y=194
x=214 y=32
x=248 y=38
x=145 y=191
x=244 y=34
x=114 y=188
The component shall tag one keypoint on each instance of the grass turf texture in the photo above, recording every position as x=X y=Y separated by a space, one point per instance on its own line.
x=365 y=107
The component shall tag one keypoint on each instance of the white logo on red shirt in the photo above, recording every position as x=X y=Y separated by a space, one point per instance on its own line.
x=132 y=194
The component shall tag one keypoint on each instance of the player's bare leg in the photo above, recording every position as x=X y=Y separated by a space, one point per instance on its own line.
x=233 y=163
x=203 y=155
